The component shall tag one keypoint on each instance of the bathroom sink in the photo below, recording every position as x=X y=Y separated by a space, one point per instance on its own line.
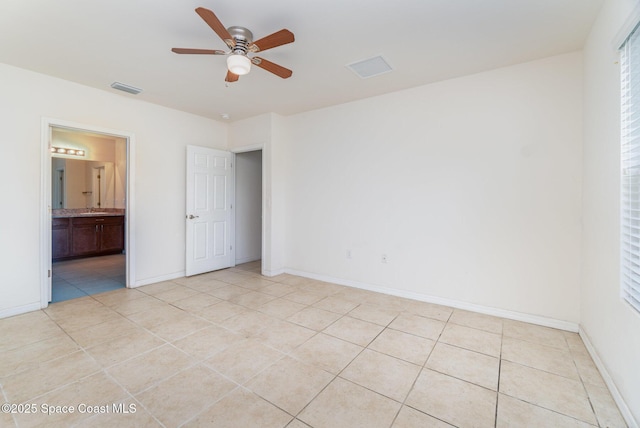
x=95 y=213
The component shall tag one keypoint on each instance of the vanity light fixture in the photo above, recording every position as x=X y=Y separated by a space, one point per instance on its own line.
x=66 y=151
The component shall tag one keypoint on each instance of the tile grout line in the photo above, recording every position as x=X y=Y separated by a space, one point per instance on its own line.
x=335 y=376
x=423 y=367
x=495 y=420
x=200 y=361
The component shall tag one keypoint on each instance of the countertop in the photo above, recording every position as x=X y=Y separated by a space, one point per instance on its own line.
x=83 y=212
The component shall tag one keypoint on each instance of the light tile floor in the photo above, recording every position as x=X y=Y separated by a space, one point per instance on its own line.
x=75 y=278
x=235 y=349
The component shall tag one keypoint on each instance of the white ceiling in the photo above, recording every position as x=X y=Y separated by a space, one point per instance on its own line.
x=98 y=42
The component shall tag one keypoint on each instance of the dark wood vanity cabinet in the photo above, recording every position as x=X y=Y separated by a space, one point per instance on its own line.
x=60 y=238
x=88 y=236
x=112 y=235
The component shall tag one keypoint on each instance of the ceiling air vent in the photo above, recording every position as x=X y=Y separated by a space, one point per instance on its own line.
x=370 y=67
x=126 y=88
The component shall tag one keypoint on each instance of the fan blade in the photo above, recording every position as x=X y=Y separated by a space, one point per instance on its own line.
x=274 y=68
x=231 y=77
x=212 y=20
x=198 y=51
x=276 y=39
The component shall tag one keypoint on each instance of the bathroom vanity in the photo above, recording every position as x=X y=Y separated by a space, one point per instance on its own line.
x=85 y=234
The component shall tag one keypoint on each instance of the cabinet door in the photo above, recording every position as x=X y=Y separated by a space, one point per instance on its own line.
x=60 y=238
x=84 y=237
x=112 y=234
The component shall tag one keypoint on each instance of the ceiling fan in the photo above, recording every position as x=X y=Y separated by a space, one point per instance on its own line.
x=240 y=42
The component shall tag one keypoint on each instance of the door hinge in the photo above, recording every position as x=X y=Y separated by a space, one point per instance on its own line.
x=49 y=273
x=231 y=247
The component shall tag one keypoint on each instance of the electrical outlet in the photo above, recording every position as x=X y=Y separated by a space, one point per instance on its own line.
x=384 y=258
x=348 y=254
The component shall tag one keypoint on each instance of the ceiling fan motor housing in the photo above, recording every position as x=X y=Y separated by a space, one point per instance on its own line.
x=242 y=38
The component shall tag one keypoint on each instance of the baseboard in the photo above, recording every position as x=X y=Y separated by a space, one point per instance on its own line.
x=160 y=278
x=502 y=313
x=275 y=272
x=617 y=397
x=19 y=310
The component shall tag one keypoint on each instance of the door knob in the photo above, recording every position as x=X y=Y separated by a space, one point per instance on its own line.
x=191 y=216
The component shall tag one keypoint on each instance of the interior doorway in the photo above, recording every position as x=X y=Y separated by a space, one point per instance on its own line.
x=110 y=152
x=249 y=191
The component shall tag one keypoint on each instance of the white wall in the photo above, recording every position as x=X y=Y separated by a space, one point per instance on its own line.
x=608 y=323
x=471 y=187
x=161 y=136
x=267 y=132
x=248 y=206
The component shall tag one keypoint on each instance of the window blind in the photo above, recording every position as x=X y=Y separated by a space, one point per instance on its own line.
x=630 y=168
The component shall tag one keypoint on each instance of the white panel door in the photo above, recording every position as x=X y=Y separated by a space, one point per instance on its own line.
x=210 y=195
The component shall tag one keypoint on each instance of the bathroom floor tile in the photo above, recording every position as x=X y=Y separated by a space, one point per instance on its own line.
x=77 y=278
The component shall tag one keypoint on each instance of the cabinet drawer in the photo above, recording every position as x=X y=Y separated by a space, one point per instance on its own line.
x=60 y=223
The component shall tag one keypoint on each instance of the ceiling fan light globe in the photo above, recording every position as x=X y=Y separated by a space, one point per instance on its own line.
x=238 y=64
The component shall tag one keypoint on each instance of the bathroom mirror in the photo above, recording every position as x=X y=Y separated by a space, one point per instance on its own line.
x=78 y=183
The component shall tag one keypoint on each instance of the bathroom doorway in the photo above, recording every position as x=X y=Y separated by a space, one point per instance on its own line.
x=87 y=242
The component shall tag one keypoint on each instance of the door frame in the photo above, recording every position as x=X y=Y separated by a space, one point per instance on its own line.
x=45 y=198
x=249 y=149
x=265 y=229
